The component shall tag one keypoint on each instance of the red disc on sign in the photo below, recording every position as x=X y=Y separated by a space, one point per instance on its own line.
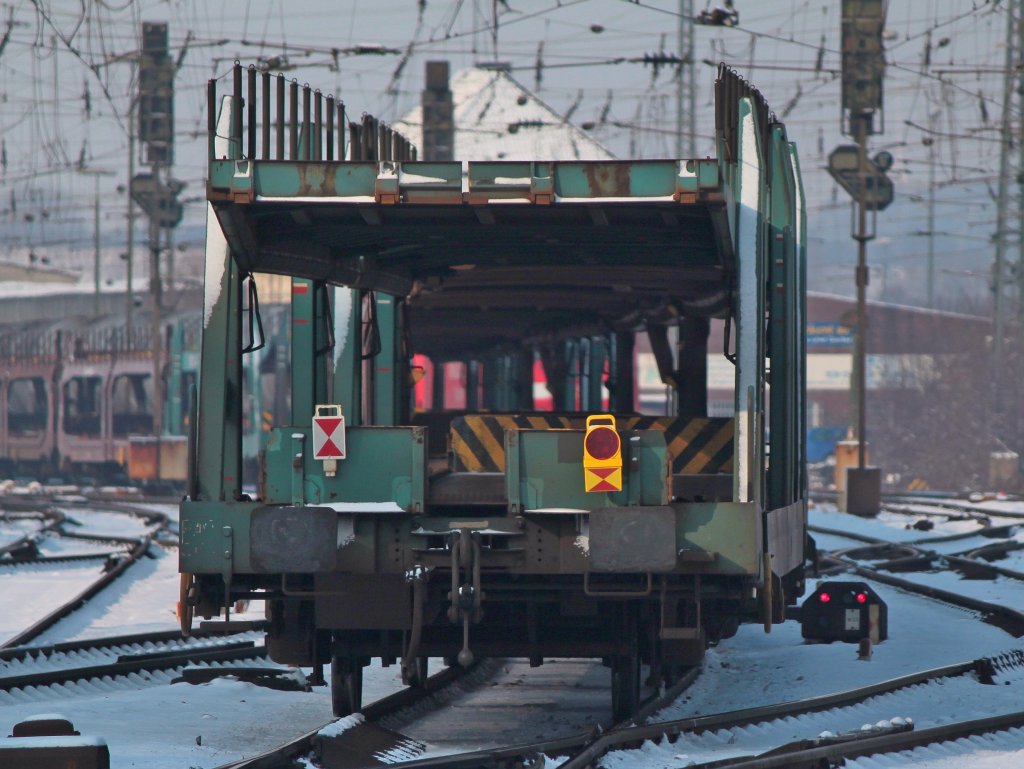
x=602 y=442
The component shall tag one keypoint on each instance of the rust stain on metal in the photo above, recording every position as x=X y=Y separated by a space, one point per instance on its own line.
x=608 y=180
x=316 y=179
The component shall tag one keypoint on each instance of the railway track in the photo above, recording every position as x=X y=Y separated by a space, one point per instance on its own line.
x=34 y=669
x=60 y=535
x=698 y=738
x=338 y=745
x=773 y=727
x=106 y=577
x=365 y=738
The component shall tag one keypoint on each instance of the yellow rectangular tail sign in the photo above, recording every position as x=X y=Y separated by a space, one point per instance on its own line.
x=602 y=454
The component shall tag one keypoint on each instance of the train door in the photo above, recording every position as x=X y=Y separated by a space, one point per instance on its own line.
x=80 y=434
x=28 y=410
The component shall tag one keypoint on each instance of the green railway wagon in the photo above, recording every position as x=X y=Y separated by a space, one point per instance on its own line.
x=460 y=531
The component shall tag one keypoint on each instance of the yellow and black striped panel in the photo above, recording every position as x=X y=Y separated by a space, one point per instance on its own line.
x=478 y=440
x=699 y=444
x=696 y=444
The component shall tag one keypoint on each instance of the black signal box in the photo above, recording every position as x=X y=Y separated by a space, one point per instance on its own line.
x=844 y=611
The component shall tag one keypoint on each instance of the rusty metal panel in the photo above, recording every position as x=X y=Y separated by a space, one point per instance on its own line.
x=633 y=539
x=293 y=539
x=173 y=456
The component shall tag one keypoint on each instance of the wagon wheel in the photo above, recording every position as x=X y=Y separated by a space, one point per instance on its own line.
x=346 y=685
x=185 y=608
x=626 y=669
x=625 y=686
x=416 y=674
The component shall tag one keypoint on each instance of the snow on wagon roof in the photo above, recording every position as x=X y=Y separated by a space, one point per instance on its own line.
x=496 y=118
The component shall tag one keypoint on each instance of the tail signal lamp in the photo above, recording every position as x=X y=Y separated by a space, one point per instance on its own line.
x=602 y=454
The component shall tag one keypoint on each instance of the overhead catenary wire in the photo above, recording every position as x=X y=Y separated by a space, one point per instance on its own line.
x=786 y=59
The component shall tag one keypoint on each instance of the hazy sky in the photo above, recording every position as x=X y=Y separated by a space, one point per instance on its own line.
x=66 y=74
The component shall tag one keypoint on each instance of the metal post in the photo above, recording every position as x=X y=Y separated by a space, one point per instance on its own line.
x=280 y=118
x=96 y=248
x=130 y=255
x=998 y=267
x=251 y=109
x=293 y=117
x=687 y=86
x=862 y=238
x=1020 y=168
x=157 y=342
x=265 y=107
x=931 y=223
x=329 y=127
x=862 y=492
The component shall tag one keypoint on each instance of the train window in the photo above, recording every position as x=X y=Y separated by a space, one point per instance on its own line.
x=27 y=409
x=130 y=399
x=82 y=397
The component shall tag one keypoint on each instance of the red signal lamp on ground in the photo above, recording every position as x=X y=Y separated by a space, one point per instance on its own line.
x=844 y=611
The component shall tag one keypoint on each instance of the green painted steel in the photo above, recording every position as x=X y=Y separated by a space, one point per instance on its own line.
x=293 y=179
x=347 y=366
x=544 y=471
x=783 y=333
x=390 y=364
x=441 y=182
x=729 y=531
x=215 y=536
x=172 y=420
x=750 y=308
x=303 y=351
x=383 y=465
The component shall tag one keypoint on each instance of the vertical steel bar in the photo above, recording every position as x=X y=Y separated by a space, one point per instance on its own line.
x=307 y=133
x=329 y=127
x=236 y=122
x=280 y=118
x=251 y=98
x=355 y=142
x=265 y=133
x=211 y=117
x=318 y=125
x=368 y=135
x=293 y=116
x=342 y=130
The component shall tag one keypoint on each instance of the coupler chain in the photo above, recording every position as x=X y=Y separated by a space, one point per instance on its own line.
x=466 y=596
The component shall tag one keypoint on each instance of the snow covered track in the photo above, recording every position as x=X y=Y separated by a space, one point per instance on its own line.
x=831 y=751
x=357 y=737
x=22 y=669
x=48 y=564
x=56 y=615
x=877 y=558
x=724 y=732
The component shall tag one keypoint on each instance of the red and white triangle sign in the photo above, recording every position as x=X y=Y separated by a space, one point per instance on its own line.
x=329 y=437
